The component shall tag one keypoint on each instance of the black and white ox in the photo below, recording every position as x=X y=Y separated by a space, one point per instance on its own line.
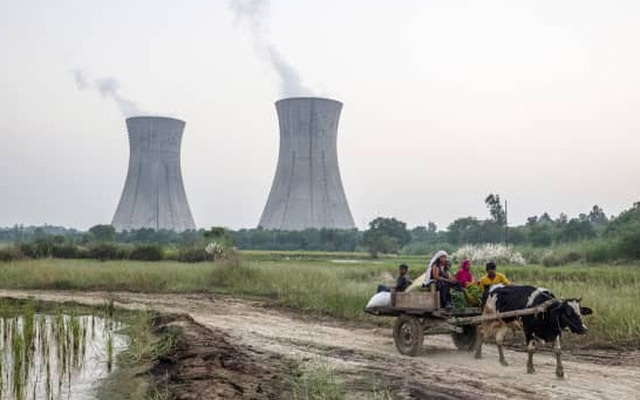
x=546 y=326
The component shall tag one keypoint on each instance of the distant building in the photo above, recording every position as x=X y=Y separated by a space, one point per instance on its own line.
x=153 y=195
x=307 y=189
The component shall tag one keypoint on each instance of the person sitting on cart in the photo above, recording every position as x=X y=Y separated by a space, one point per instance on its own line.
x=403 y=281
x=493 y=277
x=438 y=272
x=464 y=276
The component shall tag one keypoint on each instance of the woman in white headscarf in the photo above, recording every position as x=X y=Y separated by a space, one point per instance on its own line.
x=437 y=272
x=436 y=257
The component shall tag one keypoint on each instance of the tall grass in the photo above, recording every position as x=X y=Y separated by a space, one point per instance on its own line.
x=333 y=287
x=316 y=382
x=104 y=275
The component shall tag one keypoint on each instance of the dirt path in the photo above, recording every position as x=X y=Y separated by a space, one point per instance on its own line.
x=363 y=355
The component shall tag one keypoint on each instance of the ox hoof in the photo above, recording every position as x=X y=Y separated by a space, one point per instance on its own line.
x=531 y=370
x=560 y=374
x=504 y=363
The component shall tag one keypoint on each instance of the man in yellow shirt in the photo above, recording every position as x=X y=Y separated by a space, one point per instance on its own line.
x=492 y=277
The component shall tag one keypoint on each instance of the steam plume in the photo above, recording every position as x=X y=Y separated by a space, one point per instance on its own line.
x=108 y=87
x=254 y=13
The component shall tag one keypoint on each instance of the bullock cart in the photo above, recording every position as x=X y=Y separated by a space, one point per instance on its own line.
x=419 y=314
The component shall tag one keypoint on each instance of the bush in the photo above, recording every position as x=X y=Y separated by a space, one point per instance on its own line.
x=573 y=256
x=629 y=242
x=103 y=251
x=192 y=255
x=147 y=252
x=28 y=250
x=123 y=252
x=10 y=253
x=171 y=255
x=552 y=259
x=65 y=251
x=600 y=251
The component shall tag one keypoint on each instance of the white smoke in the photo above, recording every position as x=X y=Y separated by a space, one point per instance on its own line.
x=255 y=13
x=108 y=87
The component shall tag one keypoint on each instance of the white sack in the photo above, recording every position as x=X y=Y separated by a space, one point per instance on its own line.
x=382 y=299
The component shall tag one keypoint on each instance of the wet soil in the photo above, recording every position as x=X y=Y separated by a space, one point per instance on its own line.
x=206 y=364
x=241 y=349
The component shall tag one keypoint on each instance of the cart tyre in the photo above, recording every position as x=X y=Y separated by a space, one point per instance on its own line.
x=467 y=339
x=408 y=335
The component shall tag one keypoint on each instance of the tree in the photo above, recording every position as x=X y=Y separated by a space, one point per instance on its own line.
x=103 y=233
x=597 y=216
x=545 y=218
x=577 y=229
x=432 y=227
x=625 y=229
x=496 y=210
x=386 y=235
x=425 y=234
x=562 y=220
x=464 y=230
x=541 y=234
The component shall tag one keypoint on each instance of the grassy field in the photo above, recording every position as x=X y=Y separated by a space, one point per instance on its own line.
x=332 y=283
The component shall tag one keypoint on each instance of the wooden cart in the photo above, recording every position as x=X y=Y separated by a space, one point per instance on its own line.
x=419 y=314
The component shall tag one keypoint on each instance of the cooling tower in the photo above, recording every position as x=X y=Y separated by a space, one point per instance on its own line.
x=307 y=190
x=153 y=195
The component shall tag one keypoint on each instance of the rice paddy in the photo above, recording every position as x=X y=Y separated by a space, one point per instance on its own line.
x=55 y=354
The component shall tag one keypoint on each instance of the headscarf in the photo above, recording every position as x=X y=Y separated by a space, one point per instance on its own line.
x=463 y=276
x=435 y=258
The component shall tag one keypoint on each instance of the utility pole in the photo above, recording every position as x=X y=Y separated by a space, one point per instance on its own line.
x=506 y=224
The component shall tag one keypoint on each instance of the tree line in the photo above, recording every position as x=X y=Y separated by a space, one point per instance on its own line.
x=383 y=235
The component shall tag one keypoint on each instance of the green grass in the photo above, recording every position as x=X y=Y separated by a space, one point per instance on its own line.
x=109 y=275
x=325 y=283
x=132 y=379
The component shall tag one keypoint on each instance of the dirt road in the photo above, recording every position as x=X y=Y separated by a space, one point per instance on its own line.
x=362 y=356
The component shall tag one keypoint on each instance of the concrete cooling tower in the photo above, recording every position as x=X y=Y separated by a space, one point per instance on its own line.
x=307 y=190
x=153 y=195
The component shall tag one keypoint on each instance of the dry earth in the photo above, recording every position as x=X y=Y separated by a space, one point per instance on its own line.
x=252 y=334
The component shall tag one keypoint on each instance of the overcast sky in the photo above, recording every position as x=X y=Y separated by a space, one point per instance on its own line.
x=444 y=102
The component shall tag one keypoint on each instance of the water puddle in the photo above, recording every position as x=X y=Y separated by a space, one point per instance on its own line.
x=57 y=355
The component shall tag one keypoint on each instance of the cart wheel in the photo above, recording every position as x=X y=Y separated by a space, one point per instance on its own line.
x=465 y=340
x=408 y=335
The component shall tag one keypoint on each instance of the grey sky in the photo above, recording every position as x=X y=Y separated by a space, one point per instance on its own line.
x=444 y=102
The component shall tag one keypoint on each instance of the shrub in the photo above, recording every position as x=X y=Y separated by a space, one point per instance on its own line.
x=629 y=241
x=147 y=252
x=82 y=252
x=573 y=256
x=65 y=251
x=552 y=259
x=192 y=255
x=103 y=251
x=600 y=251
x=10 y=253
x=171 y=255
x=28 y=250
